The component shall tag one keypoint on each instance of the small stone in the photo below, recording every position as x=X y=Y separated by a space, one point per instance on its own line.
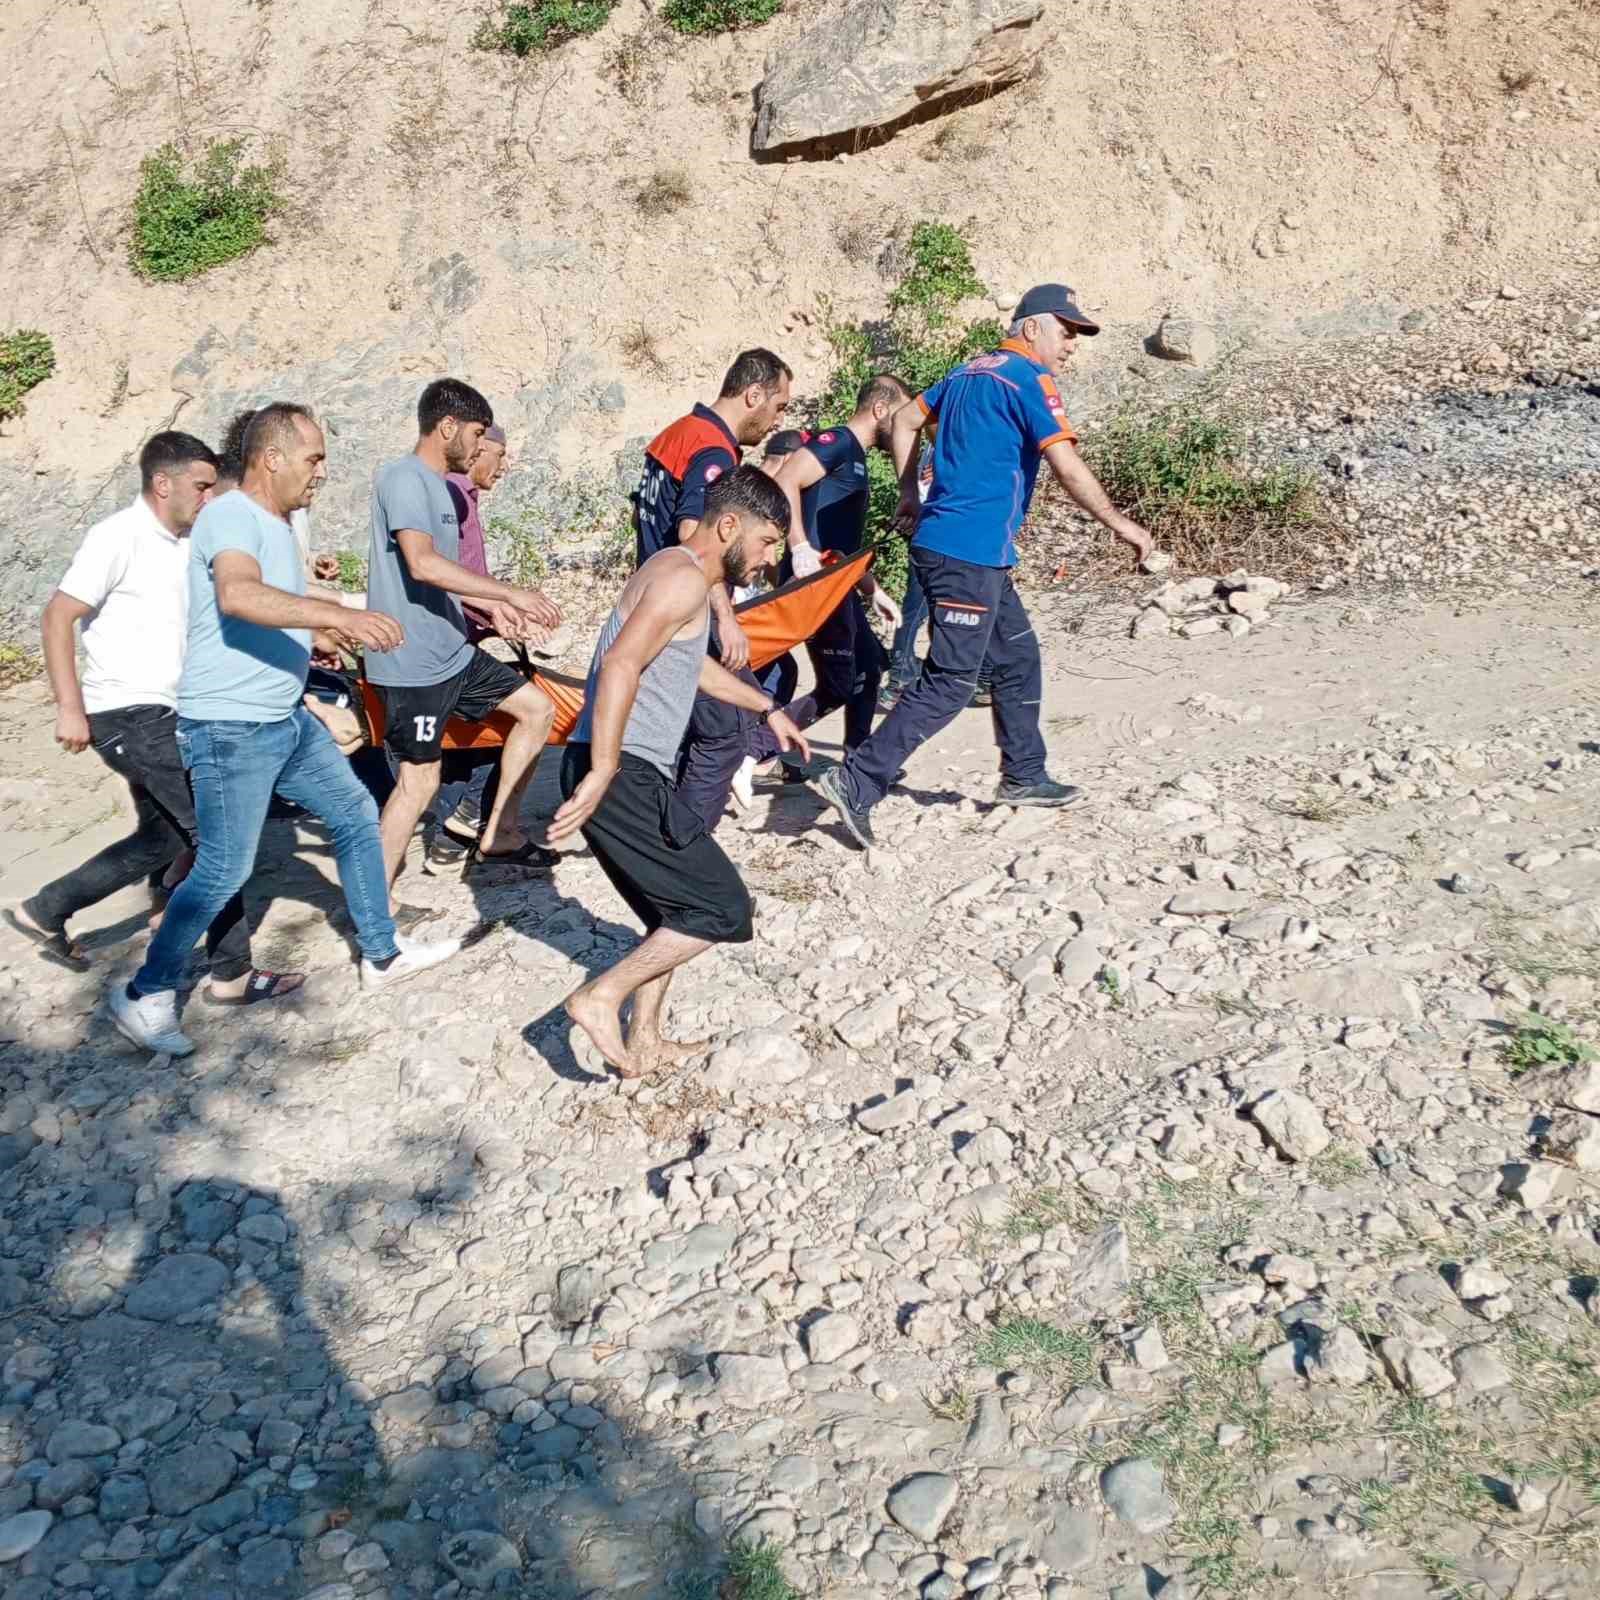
x=1414 y=1369
x=1341 y=1358
x=1136 y=1492
x=1478 y=1280
x=989 y=1148
x=750 y=1383
x=894 y=1112
x=478 y=1557
x=1209 y=900
x=366 y=1558
x=192 y=1476
x=1530 y=1496
x=74 y=1440
x=832 y=1336
x=1158 y=561
x=922 y=1502
x=19 y=1534
x=1186 y=340
x=1530 y=1183
x=177 y=1285
x=758 y=1059
x=1573 y=1139
x=1479 y=1370
x=1292 y=1123
x=869 y=1023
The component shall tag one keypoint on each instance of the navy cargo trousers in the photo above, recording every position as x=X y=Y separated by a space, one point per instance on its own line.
x=973 y=612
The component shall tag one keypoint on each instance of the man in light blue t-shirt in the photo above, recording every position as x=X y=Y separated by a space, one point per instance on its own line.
x=244 y=735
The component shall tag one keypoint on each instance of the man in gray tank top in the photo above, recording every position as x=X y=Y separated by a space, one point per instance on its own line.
x=617 y=775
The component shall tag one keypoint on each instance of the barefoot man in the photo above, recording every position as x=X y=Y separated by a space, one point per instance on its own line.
x=617 y=775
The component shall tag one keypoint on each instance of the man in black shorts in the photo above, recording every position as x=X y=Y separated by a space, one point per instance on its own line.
x=413 y=575
x=618 y=772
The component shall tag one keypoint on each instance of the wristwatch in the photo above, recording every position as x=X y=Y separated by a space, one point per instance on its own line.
x=767 y=714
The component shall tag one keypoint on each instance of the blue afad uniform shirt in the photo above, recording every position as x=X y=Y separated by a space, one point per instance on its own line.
x=997 y=415
x=680 y=464
x=835 y=506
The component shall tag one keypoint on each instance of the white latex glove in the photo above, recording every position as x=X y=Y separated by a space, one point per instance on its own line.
x=883 y=605
x=805 y=560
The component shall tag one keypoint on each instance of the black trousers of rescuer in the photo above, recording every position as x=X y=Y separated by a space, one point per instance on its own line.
x=973 y=612
x=848 y=663
x=671 y=872
x=139 y=744
x=718 y=738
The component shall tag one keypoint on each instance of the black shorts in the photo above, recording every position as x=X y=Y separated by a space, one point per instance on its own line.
x=414 y=718
x=691 y=888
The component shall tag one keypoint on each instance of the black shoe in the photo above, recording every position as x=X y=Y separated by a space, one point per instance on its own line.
x=983 y=695
x=858 y=824
x=445 y=849
x=1041 y=792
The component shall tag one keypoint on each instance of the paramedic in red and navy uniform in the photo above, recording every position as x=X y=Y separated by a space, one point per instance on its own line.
x=999 y=416
x=680 y=464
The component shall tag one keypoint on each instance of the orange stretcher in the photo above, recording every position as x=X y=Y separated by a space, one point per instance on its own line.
x=774 y=623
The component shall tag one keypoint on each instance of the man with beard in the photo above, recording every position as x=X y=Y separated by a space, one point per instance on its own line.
x=415 y=575
x=617 y=775
x=825 y=478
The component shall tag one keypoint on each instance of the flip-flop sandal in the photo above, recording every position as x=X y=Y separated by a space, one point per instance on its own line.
x=262 y=986
x=408 y=918
x=55 y=948
x=528 y=855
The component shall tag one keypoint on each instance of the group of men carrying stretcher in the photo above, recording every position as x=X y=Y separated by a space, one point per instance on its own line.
x=214 y=723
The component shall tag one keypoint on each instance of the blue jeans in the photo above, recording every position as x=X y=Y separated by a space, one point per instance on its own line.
x=234 y=768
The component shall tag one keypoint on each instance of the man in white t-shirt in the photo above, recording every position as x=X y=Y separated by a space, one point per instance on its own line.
x=128 y=587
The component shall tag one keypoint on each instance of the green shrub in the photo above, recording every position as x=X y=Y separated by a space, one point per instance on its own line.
x=921 y=341
x=352 y=571
x=1183 y=476
x=940 y=274
x=1543 y=1042
x=719 y=16
x=522 y=29
x=185 y=225
x=27 y=358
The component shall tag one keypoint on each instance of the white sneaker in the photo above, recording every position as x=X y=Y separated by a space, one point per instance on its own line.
x=151 y=1021
x=744 y=784
x=414 y=957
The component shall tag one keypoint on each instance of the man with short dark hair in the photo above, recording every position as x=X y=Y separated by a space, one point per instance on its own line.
x=689 y=455
x=999 y=416
x=681 y=464
x=128 y=586
x=415 y=573
x=244 y=734
x=617 y=775
x=829 y=497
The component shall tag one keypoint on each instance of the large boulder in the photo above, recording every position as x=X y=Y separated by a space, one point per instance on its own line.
x=881 y=62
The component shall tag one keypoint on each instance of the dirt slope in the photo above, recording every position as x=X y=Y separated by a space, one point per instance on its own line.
x=1292 y=169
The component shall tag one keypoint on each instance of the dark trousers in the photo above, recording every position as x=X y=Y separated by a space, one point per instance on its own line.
x=973 y=612
x=719 y=737
x=468 y=784
x=848 y=662
x=139 y=744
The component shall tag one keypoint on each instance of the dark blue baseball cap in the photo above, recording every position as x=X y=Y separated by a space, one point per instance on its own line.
x=1054 y=299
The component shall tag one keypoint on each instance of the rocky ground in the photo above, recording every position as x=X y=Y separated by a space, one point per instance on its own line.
x=1133 y=1201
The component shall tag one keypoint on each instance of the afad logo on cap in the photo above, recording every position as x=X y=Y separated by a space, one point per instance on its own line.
x=826 y=438
x=713 y=472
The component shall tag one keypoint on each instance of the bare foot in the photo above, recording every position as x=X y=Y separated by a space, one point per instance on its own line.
x=604 y=1027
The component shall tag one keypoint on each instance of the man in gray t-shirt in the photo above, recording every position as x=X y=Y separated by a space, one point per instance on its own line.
x=413 y=575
